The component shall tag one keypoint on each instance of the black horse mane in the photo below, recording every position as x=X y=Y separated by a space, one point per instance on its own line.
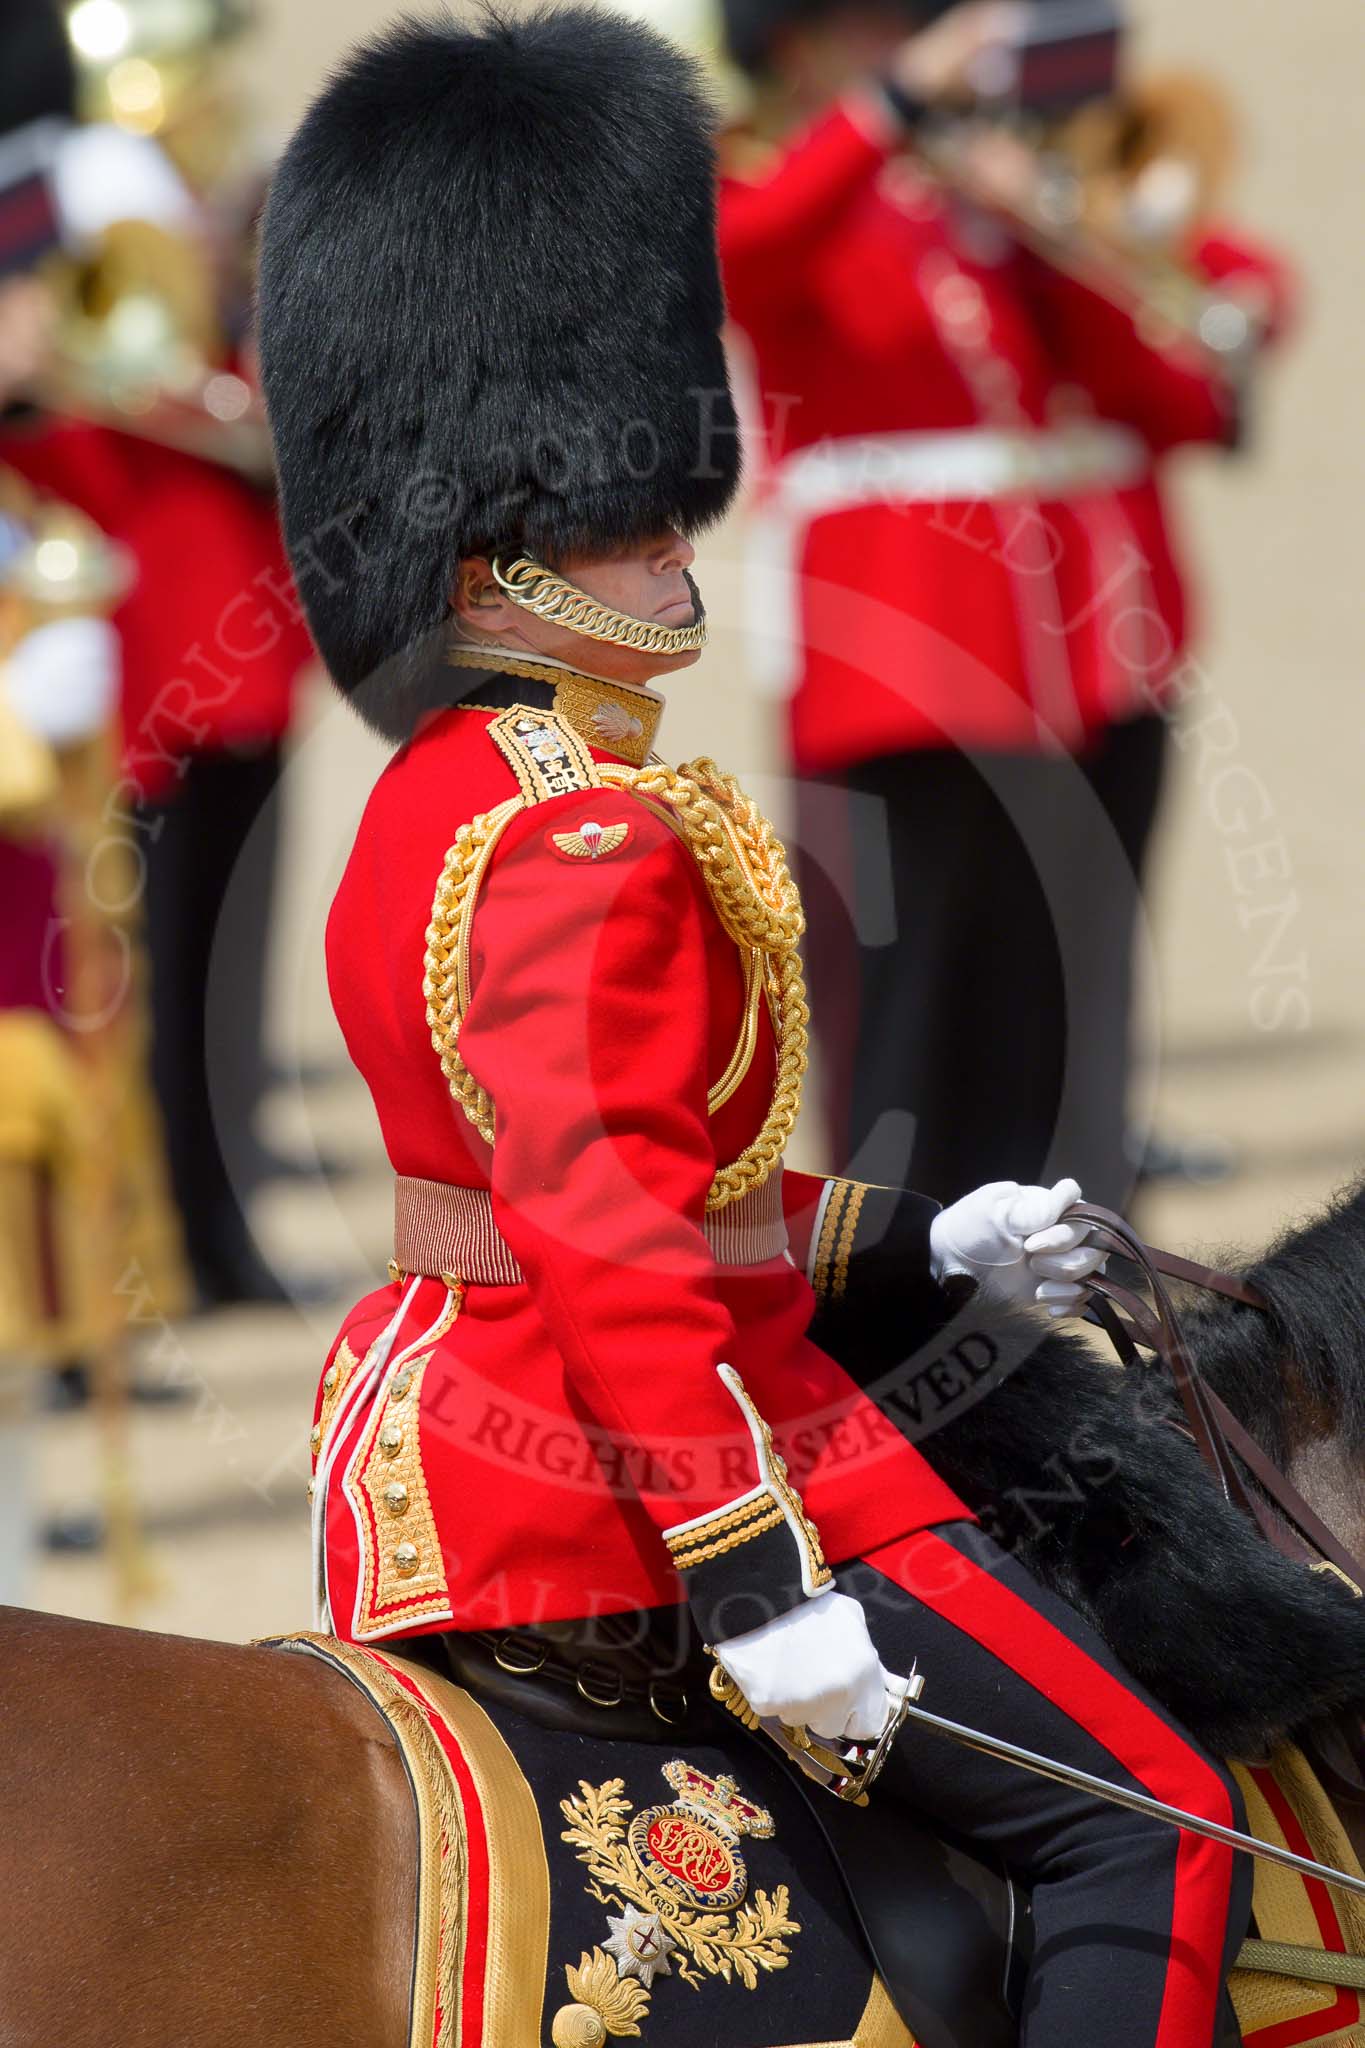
x=1300 y=1370
x=1076 y=1467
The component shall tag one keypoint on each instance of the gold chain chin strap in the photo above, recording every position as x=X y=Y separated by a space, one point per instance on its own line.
x=537 y=589
x=745 y=870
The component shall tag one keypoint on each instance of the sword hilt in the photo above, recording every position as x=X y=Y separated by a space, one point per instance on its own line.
x=850 y=1769
x=847 y=1768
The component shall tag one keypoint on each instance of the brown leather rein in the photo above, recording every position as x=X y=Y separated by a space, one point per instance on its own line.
x=1130 y=1322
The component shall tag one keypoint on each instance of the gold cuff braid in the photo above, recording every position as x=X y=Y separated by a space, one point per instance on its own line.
x=725 y=1532
x=535 y=588
x=744 y=866
x=838 y=1235
x=773 y=1504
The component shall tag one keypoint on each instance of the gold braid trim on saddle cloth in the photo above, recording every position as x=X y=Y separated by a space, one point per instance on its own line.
x=1321 y=2002
x=881 y=2026
x=744 y=866
x=490 y=1801
x=414 y=1701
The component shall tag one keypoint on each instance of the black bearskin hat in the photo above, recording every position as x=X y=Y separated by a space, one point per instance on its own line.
x=37 y=71
x=752 y=25
x=490 y=318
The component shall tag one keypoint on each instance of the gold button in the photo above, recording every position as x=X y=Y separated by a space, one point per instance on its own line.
x=396 y=1498
x=329 y=1380
x=406 y=1560
x=390 y=1439
x=312 y=1489
x=400 y=1384
x=315 y=1438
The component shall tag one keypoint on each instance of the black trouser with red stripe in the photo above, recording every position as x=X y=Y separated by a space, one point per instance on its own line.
x=1137 y=1923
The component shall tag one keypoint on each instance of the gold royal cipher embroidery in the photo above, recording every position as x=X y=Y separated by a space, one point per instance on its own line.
x=676 y=1889
x=544 y=753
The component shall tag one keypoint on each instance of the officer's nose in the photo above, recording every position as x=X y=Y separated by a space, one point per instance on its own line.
x=675 y=552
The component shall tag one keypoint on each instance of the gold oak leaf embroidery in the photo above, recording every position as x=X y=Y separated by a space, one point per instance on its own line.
x=614 y=722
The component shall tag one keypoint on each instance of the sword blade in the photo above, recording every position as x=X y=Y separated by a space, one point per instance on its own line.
x=1135 y=1802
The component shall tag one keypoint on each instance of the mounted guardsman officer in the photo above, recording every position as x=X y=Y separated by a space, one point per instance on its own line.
x=490 y=332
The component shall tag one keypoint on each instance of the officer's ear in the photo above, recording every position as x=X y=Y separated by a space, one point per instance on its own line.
x=476 y=599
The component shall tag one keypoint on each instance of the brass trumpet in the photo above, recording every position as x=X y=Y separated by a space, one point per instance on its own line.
x=1119 y=186
x=138 y=347
x=142 y=334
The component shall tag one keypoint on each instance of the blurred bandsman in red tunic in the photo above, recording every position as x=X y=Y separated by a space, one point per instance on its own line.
x=973 y=356
x=141 y=415
x=89 y=1247
x=570 y=975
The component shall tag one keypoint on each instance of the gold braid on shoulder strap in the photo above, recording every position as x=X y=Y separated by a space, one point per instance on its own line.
x=745 y=869
x=447 y=955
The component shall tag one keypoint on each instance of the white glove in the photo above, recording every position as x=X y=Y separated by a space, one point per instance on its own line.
x=63 y=679
x=1062 y=1256
x=102 y=175
x=1009 y=1240
x=815 y=1667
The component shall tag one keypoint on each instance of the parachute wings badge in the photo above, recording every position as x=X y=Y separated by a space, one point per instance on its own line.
x=591 y=841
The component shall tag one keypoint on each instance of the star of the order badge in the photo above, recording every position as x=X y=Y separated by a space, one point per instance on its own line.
x=640 y=1945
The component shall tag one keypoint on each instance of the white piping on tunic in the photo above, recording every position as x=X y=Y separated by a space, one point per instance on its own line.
x=361 y=1386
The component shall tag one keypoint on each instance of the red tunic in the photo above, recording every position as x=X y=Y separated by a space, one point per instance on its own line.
x=211 y=629
x=568 y=1419
x=905 y=590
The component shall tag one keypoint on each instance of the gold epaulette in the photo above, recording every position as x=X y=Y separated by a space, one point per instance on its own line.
x=745 y=869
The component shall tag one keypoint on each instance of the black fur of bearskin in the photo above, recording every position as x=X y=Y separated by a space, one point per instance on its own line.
x=490 y=316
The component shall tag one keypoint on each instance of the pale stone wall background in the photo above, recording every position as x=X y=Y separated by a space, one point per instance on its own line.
x=1279 y=538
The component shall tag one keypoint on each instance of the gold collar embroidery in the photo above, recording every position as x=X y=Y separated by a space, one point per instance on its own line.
x=621 y=718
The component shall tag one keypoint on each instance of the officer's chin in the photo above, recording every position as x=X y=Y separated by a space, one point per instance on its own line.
x=670 y=664
x=683 y=611
x=673 y=664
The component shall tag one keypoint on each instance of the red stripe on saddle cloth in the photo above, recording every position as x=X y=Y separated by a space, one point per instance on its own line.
x=476 y=1849
x=1346 y=2012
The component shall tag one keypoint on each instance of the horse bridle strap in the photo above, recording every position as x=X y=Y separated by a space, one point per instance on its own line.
x=1318 y=1547
x=1207 y=1277
x=1295 y=1530
x=1160 y=1328
x=1322 y=1547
